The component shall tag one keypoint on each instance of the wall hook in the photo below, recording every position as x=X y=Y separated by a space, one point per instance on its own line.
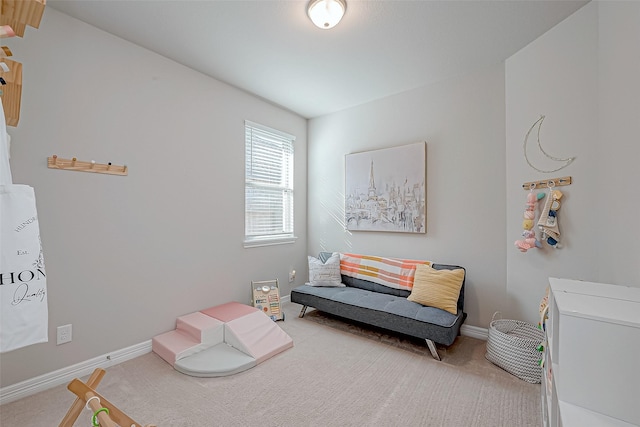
x=73 y=164
x=547 y=183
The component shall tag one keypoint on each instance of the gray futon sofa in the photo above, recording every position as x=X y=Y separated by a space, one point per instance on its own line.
x=384 y=307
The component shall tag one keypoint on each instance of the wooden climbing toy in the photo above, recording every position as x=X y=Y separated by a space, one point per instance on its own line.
x=104 y=413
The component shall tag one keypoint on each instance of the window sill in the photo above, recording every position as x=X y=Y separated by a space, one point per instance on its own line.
x=269 y=242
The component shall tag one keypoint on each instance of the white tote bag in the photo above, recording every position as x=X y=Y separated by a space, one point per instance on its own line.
x=23 y=284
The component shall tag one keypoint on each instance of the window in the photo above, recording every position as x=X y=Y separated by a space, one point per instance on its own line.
x=268 y=189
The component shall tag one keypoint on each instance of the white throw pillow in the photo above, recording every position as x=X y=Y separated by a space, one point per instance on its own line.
x=325 y=274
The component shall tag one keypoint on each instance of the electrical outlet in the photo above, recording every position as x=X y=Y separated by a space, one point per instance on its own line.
x=64 y=334
x=292 y=276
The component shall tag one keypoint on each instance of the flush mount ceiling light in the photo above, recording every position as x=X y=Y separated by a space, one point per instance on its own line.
x=326 y=14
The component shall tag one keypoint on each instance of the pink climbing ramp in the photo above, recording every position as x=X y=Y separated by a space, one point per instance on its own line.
x=221 y=340
x=257 y=335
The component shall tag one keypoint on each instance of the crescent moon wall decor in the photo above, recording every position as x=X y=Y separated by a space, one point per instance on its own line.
x=566 y=161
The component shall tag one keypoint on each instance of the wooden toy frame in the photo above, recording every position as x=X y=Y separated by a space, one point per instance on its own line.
x=105 y=413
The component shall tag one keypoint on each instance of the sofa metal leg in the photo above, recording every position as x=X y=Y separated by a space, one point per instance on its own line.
x=432 y=348
x=304 y=309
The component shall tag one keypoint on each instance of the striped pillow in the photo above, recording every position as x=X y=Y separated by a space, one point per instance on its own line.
x=391 y=272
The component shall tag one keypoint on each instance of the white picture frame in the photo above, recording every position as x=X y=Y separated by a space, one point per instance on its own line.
x=385 y=189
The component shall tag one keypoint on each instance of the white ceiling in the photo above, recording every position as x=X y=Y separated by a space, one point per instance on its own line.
x=271 y=49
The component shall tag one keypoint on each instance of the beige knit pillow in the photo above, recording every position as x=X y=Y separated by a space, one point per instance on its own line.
x=437 y=288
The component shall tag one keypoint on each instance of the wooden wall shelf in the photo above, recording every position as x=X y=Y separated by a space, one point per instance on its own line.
x=54 y=162
x=16 y=14
x=20 y=13
x=11 y=91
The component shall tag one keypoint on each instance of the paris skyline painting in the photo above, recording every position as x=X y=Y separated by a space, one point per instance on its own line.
x=385 y=189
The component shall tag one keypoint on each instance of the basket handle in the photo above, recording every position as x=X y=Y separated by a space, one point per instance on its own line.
x=494 y=316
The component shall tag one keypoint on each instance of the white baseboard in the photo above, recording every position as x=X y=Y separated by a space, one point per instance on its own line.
x=474 y=332
x=66 y=375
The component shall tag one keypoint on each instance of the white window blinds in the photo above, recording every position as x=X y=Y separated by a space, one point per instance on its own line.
x=268 y=184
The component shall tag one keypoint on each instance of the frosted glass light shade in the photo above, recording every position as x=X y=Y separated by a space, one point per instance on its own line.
x=326 y=14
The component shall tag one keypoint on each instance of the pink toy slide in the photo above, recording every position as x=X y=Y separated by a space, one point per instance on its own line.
x=221 y=340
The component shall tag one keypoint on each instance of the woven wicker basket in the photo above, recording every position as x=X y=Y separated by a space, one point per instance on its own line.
x=513 y=346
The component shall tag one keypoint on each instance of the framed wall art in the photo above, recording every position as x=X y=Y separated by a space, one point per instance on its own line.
x=385 y=190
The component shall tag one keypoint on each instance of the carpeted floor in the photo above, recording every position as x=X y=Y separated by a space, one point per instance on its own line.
x=337 y=374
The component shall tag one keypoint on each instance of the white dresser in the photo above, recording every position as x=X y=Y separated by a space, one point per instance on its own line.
x=591 y=375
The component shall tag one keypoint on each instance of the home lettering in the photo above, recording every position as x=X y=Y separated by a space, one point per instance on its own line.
x=25 y=276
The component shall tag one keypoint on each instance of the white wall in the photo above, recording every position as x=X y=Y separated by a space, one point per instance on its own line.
x=462 y=121
x=123 y=259
x=618 y=148
x=126 y=255
x=555 y=76
x=582 y=75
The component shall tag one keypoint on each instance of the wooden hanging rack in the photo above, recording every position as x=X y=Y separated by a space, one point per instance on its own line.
x=20 y=13
x=15 y=15
x=546 y=183
x=11 y=91
x=54 y=162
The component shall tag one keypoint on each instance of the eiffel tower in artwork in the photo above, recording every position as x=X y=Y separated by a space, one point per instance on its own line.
x=372 y=185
